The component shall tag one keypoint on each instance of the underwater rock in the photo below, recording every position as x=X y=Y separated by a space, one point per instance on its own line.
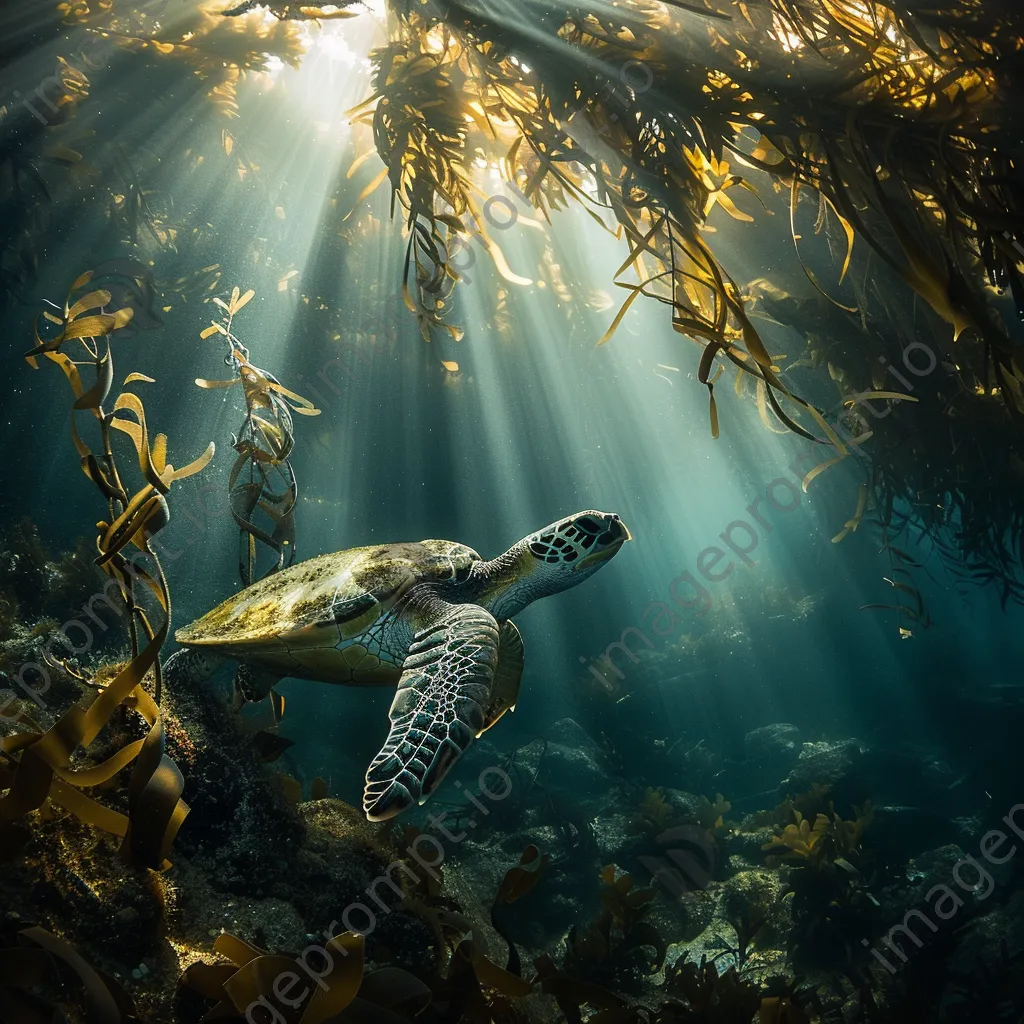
x=351 y=865
x=240 y=823
x=70 y=880
x=833 y=763
x=38 y=592
x=568 y=732
x=990 y=938
x=686 y=806
x=568 y=764
x=746 y=845
x=712 y=929
x=614 y=833
x=912 y=775
x=772 y=750
x=935 y=863
x=534 y=921
x=683 y=918
x=904 y=831
x=921 y=875
x=269 y=923
x=753 y=903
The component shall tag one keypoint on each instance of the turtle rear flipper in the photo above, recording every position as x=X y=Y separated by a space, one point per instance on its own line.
x=507 y=676
x=190 y=666
x=253 y=684
x=438 y=710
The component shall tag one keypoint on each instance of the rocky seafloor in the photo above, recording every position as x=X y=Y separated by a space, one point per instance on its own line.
x=801 y=878
x=281 y=876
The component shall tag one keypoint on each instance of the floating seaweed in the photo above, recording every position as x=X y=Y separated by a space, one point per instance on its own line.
x=488 y=87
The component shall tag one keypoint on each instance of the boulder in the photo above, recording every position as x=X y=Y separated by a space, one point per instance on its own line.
x=772 y=750
x=832 y=763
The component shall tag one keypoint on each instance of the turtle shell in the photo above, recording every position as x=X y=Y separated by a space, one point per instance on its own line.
x=311 y=620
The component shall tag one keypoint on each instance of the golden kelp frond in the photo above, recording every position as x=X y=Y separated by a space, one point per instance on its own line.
x=829 y=841
x=287 y=10
x=886 y=126
x=43 y=759
x=655 y=813
x=213 y=47
x=249 y=975
x=38 y=961
x=712 y=815
x=264 y=446
x=443 y=93
x=419 y=131
x=900 y=140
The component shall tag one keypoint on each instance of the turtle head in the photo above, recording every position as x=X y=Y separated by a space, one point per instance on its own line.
x=553 y=559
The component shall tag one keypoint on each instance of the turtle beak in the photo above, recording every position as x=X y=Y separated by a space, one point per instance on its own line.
x=597 y=557
x=617 y=531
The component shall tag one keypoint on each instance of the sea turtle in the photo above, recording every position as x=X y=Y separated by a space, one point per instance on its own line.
x=431 y=617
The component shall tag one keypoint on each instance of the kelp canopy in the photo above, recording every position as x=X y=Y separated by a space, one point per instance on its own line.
x=890 y=129
x=897 y=120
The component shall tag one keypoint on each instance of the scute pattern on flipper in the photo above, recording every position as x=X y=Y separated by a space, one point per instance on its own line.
x=437 y=711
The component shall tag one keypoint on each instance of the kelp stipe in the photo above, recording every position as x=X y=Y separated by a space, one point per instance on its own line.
x=38 y=763
x=264 y=445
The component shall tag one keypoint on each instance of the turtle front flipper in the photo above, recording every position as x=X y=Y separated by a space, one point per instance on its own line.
x=438 y=710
